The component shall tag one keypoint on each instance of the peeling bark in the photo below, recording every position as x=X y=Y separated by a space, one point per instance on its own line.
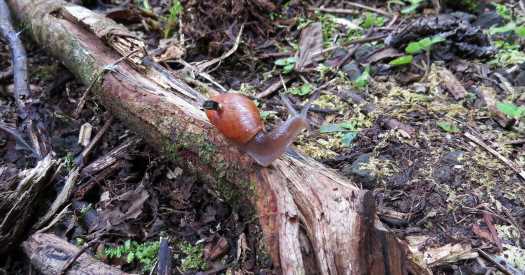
x=296 y=198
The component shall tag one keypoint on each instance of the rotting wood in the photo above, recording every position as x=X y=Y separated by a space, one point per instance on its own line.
x=16 y=207
x=48 y=253
x=295 y=195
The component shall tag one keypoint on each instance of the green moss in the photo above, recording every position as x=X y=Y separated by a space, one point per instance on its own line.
x=195 y=142
x=194 y=259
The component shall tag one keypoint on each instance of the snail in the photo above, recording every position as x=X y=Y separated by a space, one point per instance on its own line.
x=239 y=120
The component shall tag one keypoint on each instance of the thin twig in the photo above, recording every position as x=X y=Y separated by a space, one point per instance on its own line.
x=21 y=92
x=515 y=142
x=72 y=260
x=18 y=137
x=489 y=258
x=202 y=66
x=359 y=6
x=367 y=39
x=336 y=10
x=275 y=86
x=505 y=160
x=19 y=57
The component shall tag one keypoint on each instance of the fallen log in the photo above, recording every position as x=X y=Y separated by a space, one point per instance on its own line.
x=49 y=254
x=313 y=220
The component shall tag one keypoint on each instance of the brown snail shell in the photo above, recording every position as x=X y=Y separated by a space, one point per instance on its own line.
x=237 y=117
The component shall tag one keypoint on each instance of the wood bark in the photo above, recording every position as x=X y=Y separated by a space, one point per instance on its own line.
x=17 y=207
x=48 y=253
x=313 y=220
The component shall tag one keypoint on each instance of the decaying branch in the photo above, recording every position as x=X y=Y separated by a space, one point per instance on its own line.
x=21 y=91
x=296 y=198
x=50 y=254
x=17 y=207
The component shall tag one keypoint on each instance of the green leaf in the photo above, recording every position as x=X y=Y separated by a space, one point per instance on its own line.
x=285 y=61
x=502 y=11
x=127 y=244
x=265 y=115
x=175 y=10
x=448 y=127
x=130 y=257
x=511 y=26
x=302 y=90
x=511 y=110
x=337 y=127
x=520 y=31
x=414 y=4
x=348 y=138
x=372 y=20
x=423 y=44
x=288 y=68
x=402 y=60
x=362 y=80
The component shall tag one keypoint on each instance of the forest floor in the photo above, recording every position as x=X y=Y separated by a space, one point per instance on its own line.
x=423 y=105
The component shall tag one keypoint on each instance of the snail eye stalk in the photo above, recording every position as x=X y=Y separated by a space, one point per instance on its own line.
x=211 y=105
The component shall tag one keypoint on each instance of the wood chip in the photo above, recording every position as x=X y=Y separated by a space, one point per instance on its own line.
x=84 y=137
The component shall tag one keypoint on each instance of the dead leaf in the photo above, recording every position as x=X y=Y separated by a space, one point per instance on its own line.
x=452 y=84
x=171 y=50
x=127 y=206
x=383 y=54
x=214 y=250
x=492 y=229
x=310 y=45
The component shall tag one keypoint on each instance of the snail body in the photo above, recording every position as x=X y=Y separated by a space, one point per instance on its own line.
x=239 y=120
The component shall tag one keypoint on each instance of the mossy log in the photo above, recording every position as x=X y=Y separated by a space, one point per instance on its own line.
x=314 y=221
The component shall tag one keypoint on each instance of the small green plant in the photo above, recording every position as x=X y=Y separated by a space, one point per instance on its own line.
x=402 y=60
x=448 y=127
x=287 y=64
x=347 y=128
x=144 y=253
x=503 y=11
x=511 y=110
x=353 y=34
x=171 y=21
x=329 y=27
x=85 y=209
x=413 y=5
x=372 y=20
x=423 y=44
x=267 y=115
x=302 y=90
x=508 y=54
x=69 y=161
x=362 y=81
x=194 y=259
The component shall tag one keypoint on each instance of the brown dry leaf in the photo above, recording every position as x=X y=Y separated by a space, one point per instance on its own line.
x=310 y=45
x=488 y=95
x=492 y=229
x=383 y=54
x=127 y=206
x=452 y=84
x=216 y=249
x=172 y=50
